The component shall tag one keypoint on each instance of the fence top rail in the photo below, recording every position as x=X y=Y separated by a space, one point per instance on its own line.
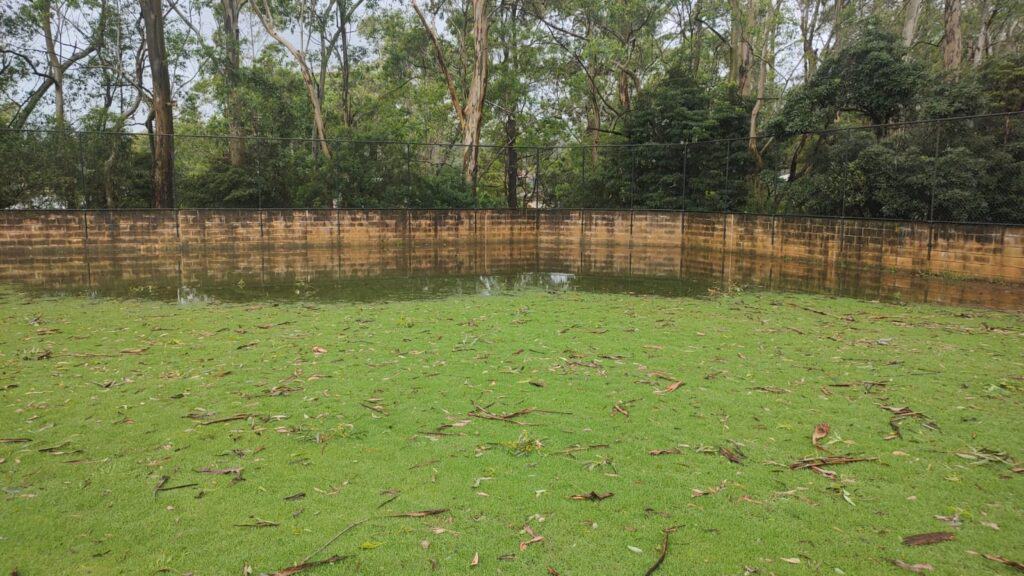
x=536 y=211
x=339 y=141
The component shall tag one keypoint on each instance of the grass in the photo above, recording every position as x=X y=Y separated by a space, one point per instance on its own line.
x=359 y=412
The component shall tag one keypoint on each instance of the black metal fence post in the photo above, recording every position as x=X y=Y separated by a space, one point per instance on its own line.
x=935 y=177
x=81 y=170
x=408 y=173
x=583 y=168
x=728 y=185
x=632 y=175
x=686 y=159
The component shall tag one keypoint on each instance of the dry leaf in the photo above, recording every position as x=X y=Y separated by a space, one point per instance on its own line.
x=915 y=568
x=730 y=455
x=307 y=565
x=1019 y=567
x=791 y=560
x=697 y=492
x=670 y=388
x=820 y=431
x=929 y=538
x=534 y=540
x=663 y=452
x=419 y=513
x=592 y=496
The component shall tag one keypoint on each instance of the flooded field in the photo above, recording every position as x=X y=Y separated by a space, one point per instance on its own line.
x=379 y=273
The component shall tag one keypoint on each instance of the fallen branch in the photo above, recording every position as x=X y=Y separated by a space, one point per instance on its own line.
x=333 y=540
x=481 y=412
x=664 y=551
x=419 y=513
x=827 y=461
x=307 y=565
x=227 y=419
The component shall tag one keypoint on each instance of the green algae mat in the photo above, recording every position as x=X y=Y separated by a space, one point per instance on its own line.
x=533 y=433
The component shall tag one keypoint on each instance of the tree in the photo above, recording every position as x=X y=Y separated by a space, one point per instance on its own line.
x=160 y=105
x=470 y=114
x=262 y=9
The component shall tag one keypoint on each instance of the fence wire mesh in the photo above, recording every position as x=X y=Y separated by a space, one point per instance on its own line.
x=955 y=169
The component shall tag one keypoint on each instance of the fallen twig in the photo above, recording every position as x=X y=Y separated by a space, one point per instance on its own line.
x=419 y=513
x=664 y=551
x=333 y=540
x=227 y=419
x=828 y=461
x=307 y=565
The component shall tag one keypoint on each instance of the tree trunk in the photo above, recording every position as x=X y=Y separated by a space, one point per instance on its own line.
x=56 y=70
x=477 y=92
x=232 y=64
x=163 y=138
x=511 y=162
x=266 y=18
x=346 y=70
x=809 y=14
x=952 y=41
x=743 y=19
x=910 y=22
x=984 y=40
x=469 y=116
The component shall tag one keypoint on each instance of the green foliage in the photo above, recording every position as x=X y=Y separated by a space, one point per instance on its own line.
x=871 y=77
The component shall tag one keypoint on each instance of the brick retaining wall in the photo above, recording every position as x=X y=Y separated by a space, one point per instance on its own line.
x=986 y=251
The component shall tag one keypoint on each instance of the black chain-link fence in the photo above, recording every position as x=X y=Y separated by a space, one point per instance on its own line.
x=954 y=169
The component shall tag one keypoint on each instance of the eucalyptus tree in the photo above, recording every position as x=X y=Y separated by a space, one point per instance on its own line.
x=469 y=24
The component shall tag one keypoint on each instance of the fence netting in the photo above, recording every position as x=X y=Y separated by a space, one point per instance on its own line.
x=959 y=169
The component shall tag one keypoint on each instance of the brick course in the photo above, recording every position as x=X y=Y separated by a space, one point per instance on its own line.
x=590 y=237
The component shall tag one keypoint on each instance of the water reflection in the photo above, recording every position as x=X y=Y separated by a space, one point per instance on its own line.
x=400 y=273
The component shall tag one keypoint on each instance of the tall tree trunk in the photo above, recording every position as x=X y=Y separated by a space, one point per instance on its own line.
x=346 y=71
x=232 y=64
x=476 y=95
x=809 y=17
x=469 y=116
x=163 y=138
x=594 y=127
x=743 y=18
x=266 y=17
x=952 y=40
x=56 y=70
x=837 y=26
x=511 y=161
x=910 y=22
x=983 y=41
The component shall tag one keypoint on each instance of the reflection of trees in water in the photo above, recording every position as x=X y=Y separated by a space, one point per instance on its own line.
x=376 y=274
